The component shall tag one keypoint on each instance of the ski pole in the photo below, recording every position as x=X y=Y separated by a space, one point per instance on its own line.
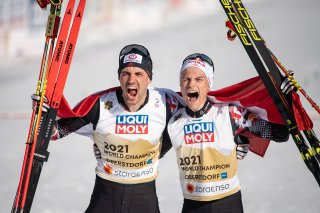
x=296 y=84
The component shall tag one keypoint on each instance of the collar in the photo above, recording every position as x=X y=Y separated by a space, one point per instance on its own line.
x=121 y=100
x=197 y=114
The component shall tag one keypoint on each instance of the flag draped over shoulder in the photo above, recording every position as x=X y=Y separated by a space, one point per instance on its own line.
x=83 y=107
x=250 y=94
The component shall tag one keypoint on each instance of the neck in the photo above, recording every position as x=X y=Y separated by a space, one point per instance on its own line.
x=199 y=113
x=133 y=108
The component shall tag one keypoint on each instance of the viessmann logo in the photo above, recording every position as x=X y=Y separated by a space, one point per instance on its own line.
x=199 y=133
x=132 y=124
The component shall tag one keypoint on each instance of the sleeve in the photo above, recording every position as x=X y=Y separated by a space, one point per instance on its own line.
x=244 y=120
x=66 y=126
x=173 y=103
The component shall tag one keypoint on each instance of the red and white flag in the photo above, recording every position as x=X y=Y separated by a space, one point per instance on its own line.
x=250 y=94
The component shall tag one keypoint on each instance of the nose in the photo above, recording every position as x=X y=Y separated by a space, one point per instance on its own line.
x=191 y=83
x=131 y=78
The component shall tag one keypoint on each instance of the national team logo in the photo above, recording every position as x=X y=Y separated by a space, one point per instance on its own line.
x=108 y=105
x=132 y=58
x=199 y=132
x=132 y=124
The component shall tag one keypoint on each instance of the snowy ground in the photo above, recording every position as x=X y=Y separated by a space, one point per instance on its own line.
x=279 y=182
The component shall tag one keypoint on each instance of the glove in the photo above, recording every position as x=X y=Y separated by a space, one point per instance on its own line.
x=289 y=84
x=36 y=102
x=243 y=146
x=55 y=133
x=242 y=150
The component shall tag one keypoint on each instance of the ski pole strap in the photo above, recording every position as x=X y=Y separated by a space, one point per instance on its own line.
x=231 y=34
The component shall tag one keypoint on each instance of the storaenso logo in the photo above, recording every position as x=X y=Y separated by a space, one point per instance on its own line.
x=59 y=51
x=68 y=53
x=247 y=21
x=235 y=20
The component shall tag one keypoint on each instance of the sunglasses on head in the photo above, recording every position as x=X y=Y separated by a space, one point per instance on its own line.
x=134 y=48
x=203 y=57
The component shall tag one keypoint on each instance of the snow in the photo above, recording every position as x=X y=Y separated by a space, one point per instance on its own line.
x=279 y=182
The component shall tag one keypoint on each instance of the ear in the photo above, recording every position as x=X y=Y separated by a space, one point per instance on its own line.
x=209 y=83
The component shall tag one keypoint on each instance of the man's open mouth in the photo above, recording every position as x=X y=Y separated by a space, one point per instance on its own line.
x=193 y=96
x=132 y=92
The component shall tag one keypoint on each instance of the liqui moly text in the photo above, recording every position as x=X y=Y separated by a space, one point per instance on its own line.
x=199 y=132
x=132 y=124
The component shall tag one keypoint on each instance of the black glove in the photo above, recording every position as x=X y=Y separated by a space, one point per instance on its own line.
x=36 y=102
x=288 y=84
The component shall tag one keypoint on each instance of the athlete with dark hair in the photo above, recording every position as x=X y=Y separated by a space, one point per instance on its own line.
x=128 y=125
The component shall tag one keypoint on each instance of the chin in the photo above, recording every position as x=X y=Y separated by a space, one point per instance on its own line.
x=193 y=106
x=132 y=101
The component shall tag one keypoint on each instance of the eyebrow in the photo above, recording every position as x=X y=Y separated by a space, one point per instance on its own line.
x=196 y=77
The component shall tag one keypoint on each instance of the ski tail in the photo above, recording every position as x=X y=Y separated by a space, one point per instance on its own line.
x=262 y=60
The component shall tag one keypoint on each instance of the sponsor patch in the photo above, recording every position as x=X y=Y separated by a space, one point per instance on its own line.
x=132 y=124
x=199 y=132
x=224 y=175
x=133 y=57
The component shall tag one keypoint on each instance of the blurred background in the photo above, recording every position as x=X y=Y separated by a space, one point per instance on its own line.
x=170 y=29
x=22 y=21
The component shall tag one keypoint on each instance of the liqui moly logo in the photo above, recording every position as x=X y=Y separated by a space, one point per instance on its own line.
x=132 y=124
x=199 y=133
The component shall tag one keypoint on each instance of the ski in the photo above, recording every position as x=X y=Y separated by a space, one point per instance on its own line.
x=267 y=55
x=303 y=92
x=262 y=61
x=309 y=134
x=51 y=32
x=50 y=87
